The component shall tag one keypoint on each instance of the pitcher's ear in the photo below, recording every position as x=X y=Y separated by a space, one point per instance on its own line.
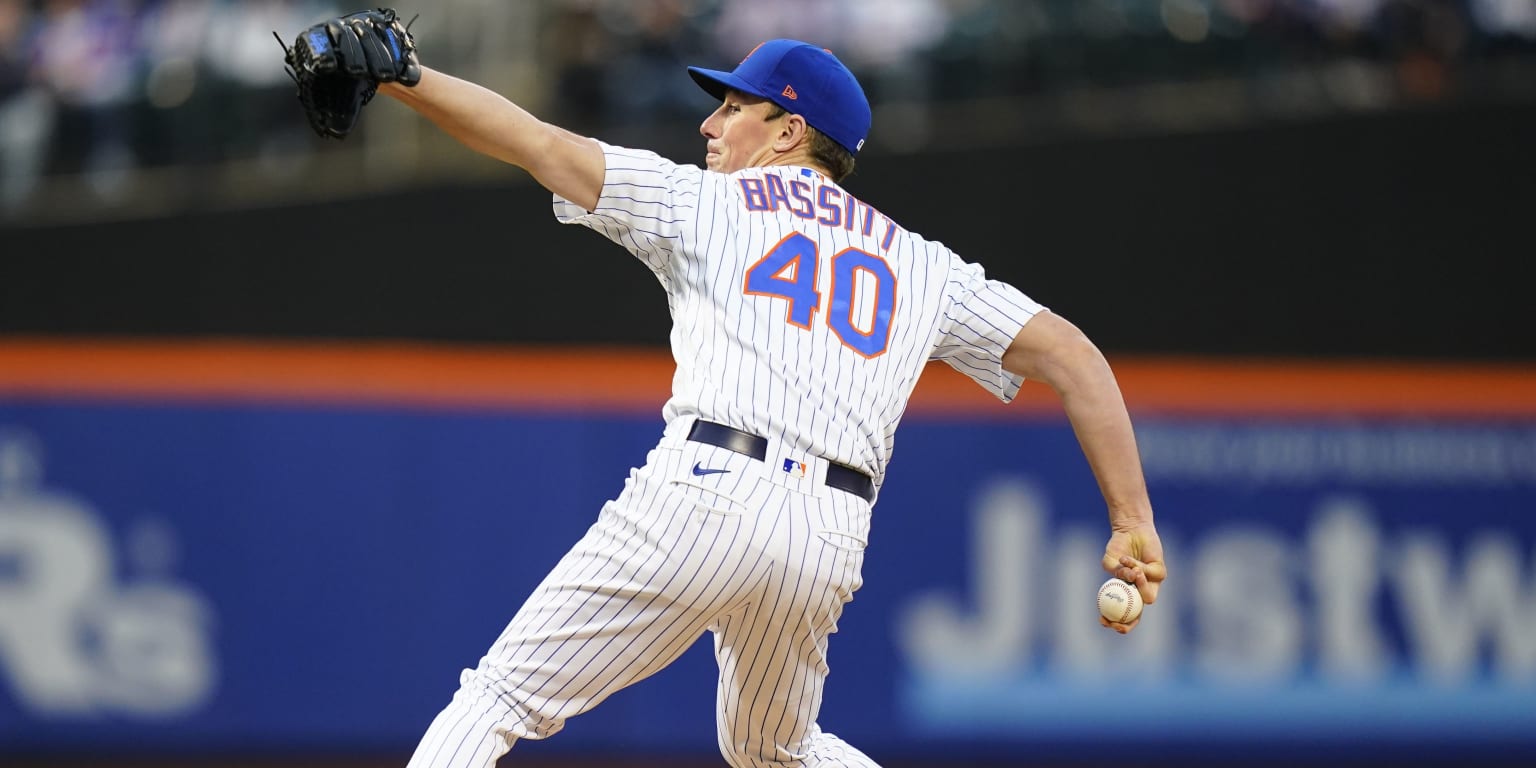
x=792 y=131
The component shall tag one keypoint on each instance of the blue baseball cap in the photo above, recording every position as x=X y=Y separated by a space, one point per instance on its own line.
x=804 y=79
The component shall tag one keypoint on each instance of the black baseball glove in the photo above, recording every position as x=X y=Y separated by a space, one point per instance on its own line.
x=338 y=65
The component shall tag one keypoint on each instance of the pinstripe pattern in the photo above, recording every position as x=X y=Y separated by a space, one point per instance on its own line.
x=761 y=558
x=740 y=363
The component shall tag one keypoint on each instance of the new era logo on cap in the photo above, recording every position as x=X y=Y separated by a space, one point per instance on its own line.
x=805 y=79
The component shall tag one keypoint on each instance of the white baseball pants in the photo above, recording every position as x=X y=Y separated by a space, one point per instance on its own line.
x=761 y=557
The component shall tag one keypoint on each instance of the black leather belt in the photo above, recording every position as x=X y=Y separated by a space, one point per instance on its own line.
x=839 y=476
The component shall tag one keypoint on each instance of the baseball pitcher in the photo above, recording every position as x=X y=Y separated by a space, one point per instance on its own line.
x=802 y=318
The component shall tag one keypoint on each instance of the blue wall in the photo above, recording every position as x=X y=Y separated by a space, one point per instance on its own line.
x=247 y=577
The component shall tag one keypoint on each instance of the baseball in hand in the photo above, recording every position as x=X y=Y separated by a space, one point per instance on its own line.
x=1119 y=601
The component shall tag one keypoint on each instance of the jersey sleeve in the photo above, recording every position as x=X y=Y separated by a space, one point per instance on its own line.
x=645 y=199
x=980 y=323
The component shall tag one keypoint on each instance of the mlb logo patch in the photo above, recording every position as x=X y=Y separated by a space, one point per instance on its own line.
x=794 y=468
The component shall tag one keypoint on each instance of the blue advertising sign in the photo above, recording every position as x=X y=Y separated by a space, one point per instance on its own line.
x=1333 y=585
x=180 y=576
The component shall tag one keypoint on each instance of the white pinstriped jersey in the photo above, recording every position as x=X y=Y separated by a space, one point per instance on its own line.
x=825 y=365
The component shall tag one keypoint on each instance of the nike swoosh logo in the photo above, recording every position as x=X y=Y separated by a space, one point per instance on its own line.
x=700 y=471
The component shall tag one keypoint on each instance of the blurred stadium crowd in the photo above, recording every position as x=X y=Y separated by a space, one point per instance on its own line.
x=104 y=96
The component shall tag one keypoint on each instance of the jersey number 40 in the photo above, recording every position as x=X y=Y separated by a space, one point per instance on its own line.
x=788 y=271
